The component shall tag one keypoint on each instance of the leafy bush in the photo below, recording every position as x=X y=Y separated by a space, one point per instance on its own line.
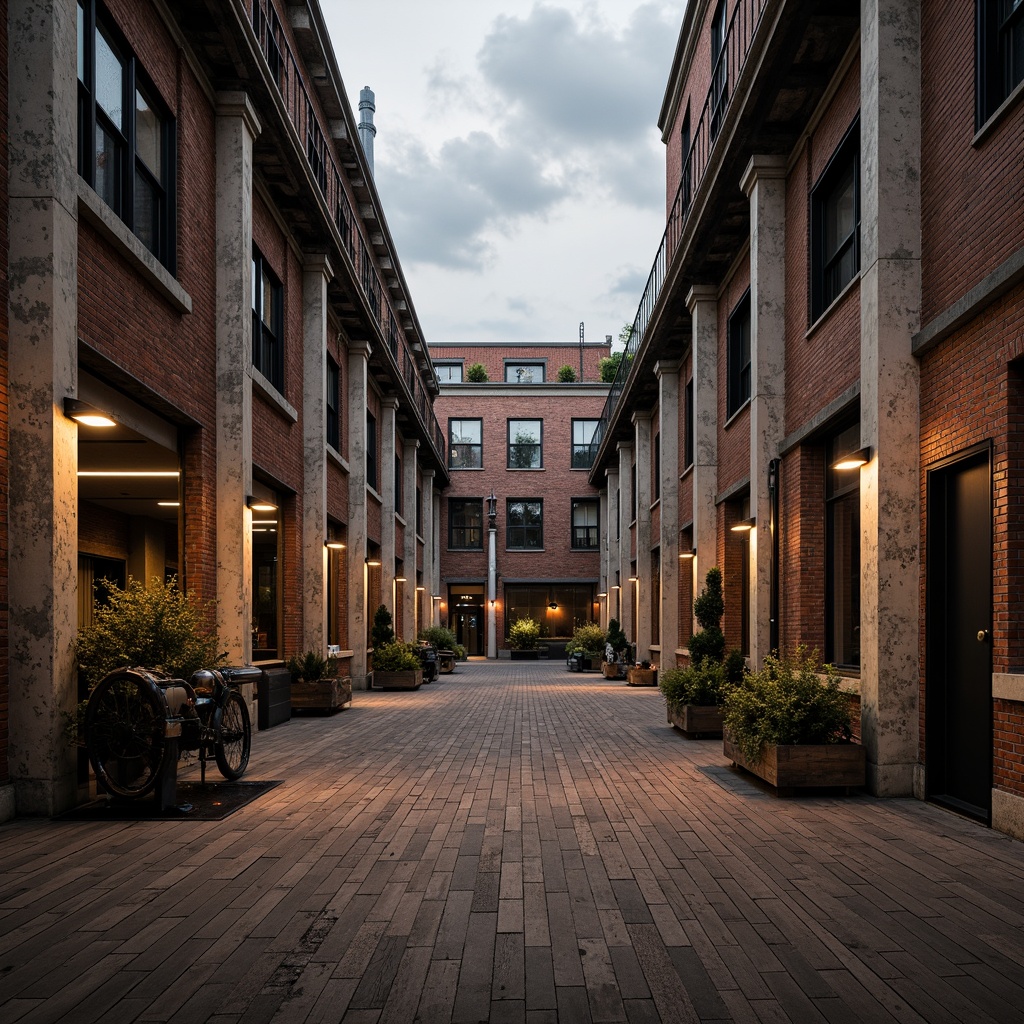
x=523 y=634
x=381 y=633
x=609 y=366
x=476 y=374
x=615 y=638
x=311 y=667
x=156 y=627
x=786 y=702
x=709 y=641
x=443 y=639
x=566 y=374
x=706 y=684
x=395 y=656
x=586 y=639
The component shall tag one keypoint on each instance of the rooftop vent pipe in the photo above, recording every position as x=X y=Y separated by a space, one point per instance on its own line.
x=366 y=127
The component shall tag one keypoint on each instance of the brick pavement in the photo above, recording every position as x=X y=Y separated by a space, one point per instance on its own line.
x=513 y=843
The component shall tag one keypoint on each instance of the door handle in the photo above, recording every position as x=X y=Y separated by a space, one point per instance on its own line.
x=983 y=635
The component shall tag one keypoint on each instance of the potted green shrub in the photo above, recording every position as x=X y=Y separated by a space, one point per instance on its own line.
x=523 y=639
x=615 y=647
x=396 y=667
x=316 y=685
x=791 y=728
x=585 y=647
x=448 y=649
x=694 y=695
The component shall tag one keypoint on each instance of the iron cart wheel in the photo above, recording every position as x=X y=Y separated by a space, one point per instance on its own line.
x=232 y=737
x=125 y=722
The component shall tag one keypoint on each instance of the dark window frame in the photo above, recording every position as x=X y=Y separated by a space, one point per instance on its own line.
x=688 y=414
x=738 y=356
x=832 y=272
x=656 y=468
x=456 y=449
x=842 y=496
x=997 y=76
x=517 y=535
x=267 y=339
x=333 y=404
x=464 y=535
x=719 y=68
x=589 y=534
x=514 y=449
x=583 y=454
x=443 y=365
x=519 y=363
x=371 y=450
x=131 y=171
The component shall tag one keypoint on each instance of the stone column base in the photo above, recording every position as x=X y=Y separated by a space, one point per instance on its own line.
x=7 y=804
x=1008 y=813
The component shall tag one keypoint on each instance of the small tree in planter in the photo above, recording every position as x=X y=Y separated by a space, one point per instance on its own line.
x=381 y=632
x=523 y=638
x=615 y=647
x=476 y=374
x=586 y=645
x=316 y=685
x=786 y=725
x=693 y=695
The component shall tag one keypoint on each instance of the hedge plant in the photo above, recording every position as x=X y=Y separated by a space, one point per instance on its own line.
x=587 y=638
x=524 y=634
x=395 y=656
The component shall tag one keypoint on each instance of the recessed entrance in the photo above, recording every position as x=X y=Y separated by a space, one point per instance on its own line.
x=466 y=604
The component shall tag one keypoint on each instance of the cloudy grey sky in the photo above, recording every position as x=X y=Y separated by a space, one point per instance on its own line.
x=517 y=155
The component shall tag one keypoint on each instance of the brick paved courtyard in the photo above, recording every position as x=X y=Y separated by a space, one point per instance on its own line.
x=512 y=843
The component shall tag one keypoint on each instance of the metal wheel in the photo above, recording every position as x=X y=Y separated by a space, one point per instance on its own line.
x=125 y=721
x=232 y=737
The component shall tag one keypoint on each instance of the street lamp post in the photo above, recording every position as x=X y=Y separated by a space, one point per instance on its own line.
x=492 y=575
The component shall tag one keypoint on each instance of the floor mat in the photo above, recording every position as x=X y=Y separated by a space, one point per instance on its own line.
x=195 y=802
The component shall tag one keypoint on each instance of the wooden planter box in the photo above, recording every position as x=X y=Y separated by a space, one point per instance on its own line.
x=325 y=695
x=642 y=677
x=611 y=669
x=525 y=655
x=804 y=766
x=697 y=719
x=407 y=680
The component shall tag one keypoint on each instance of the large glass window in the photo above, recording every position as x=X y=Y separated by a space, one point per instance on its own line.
x=585 y=524
x=719 y=68
x=448 y=373
x=1000 y=53
x=842 y=553
x=583 y=434
x=333 y=404
x=739 y=357
x=524 y=444
x=266 y=582
x=835 y=225
x=126 y=143
x=524 y=523
x=267 y=321
x=466 y=523
x=371 y=449
x=524 y=373
x=558 y=607
x=689 y=425
x=465 y=444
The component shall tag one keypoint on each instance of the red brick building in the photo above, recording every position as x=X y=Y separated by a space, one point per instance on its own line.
x=841 y=273
x=523 y=437
x=197 y=249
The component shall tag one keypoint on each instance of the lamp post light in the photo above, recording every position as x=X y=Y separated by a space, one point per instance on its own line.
x=492 y=575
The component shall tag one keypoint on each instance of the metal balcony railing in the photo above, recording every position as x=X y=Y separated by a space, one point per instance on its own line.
x=746 y=17
x=284 y=69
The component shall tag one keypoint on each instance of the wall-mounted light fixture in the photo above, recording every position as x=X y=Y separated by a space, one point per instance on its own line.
x=260 y=504
x=421 y=590
x=169 y=504
x=400 y=579
x=744 y=525
x=87 y=415
x=634 y=579
x=692 y=553
x=604 y=593
x=854 y=460
x=553 y=605
x=334 y=545
x=373 y=563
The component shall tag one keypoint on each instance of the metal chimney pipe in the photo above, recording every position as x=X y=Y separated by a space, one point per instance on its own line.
x=366 y=127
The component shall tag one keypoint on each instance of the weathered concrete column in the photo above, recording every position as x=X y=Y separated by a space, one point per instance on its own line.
x=765 y=185
x=237 y=128
x=644 y=597
x=668 y=430
x=433 y=519
x=410 y=598
x=358 y=637
x=386 y=478
x=429 y=546
x=890 y=299
x=702 y=302
x=316 y=274
x=613 y=555
x=627 y=595
x=603 y=581
x=43 y=368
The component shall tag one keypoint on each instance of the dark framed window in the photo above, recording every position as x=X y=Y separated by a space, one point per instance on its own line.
x=657 y=466
x=466 y=524
x=525 y=444
x=465 y=444
x=371 y=449
x=632 y=482
x=126 y=135
x=524 y=523
x=999 y=62
x=685 y=145
x=738 y=368
x=656 y=596
x=583 y=434
x=524 y=373
x=398 y=484
x=835 y=224
x=719 y=68
x=448 y=373
x=267 y=27
x=333 y=404
x=842 y=552
x=267 y=321
x=419 y=511
x=316 y=148
x=558 y=607
x=688 y=414
x=585 y=536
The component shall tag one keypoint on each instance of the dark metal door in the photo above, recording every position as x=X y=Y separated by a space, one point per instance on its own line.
x=468 y=631
x=958 y=708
